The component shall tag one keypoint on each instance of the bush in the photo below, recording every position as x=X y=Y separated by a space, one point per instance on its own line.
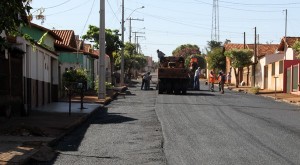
x=74 y=76
x=108 y=85
x=254 y=90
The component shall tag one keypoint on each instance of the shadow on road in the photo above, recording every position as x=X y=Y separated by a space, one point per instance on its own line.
x=72 y=141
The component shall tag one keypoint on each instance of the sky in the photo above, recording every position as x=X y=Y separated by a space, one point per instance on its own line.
x=167 y=24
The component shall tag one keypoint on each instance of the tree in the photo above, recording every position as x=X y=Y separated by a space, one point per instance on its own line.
x=296 y=47
x=186 y=50
x=216 y=59
x=239 y=58
x=112 y=41
x=213 y=44
x=13 y=14
x=132 y=59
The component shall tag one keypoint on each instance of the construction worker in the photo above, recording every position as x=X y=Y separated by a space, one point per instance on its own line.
x=212 y=80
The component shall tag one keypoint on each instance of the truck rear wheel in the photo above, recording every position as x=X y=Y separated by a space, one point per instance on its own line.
x=177 y=88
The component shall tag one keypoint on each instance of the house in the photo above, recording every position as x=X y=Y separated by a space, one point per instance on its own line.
x=72 y=55
x=290 y=65
x=11 y=79
x=264 y=76
x=39 y=66
x=264 y=52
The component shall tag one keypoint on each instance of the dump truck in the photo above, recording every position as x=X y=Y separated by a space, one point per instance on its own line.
x=173 y=77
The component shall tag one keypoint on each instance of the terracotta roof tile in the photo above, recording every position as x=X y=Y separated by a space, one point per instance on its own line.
x=233 y=46
x=68 y=38
x=288 y=41
x=263 y=49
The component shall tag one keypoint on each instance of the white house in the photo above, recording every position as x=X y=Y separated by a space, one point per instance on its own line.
x=40 y=66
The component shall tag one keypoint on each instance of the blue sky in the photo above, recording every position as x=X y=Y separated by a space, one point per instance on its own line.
x=170 y=23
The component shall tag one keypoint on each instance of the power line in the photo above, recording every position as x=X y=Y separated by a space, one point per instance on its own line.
x=261 y=4
x=80 y=5
x=237 y=8
x=56 y=5
x=87 y=17
x=113 y=11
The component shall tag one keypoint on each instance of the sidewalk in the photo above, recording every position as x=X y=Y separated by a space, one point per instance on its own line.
x=22 y=138
x=293 y=98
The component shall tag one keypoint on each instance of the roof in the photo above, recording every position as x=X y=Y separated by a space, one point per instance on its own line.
x=230 y=46
x=68 y=38
x=288 y=41
x=47 y=30
x=262 y=49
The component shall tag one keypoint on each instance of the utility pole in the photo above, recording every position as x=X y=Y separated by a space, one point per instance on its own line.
x=244 y=40
x=255 y=58
x=134 y=19
x=137 y=43
x=285 y=32
x=101 y=85
x=122 y=49
x=135 y=35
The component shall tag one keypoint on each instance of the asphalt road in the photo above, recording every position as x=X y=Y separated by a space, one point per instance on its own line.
x=201 y=127
x=127 y=133
x=206 y=127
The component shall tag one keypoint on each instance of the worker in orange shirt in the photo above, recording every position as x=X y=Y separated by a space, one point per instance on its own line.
x=211 y=80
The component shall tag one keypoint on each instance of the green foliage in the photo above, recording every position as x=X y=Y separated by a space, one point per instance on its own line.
x=214 y=44
x=186 y=50
x=239 y=57
x=132 y=60
x=108 y=85
x=112 y=40
x=254 y=90
x=71 y=77
x=296 y=47
x=11 y=12
x=216 y=59
x=200 y=58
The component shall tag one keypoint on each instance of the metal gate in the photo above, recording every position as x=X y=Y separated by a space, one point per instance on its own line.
x=295 y=78
x=288 y=80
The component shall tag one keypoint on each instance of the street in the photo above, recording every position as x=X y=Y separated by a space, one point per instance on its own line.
x=233 y=128
x=201 y=127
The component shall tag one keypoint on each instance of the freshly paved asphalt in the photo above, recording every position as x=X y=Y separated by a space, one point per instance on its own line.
x=126 y=132
x=205 y=127
x=201 y=127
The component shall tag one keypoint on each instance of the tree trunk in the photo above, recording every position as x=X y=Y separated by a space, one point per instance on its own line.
x=236 y=77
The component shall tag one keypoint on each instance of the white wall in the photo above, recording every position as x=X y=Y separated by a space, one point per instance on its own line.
x=37 y=61
x=259 y=78
x=272 y=79
x=290 y=54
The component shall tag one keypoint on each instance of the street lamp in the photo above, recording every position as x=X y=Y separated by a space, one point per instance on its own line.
x=135 y=10
x=122 y=49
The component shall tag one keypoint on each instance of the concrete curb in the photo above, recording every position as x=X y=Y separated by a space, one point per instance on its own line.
x=71 y=127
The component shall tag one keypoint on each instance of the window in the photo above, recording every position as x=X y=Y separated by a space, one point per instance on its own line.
x=280 y=67
x=273 y=68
